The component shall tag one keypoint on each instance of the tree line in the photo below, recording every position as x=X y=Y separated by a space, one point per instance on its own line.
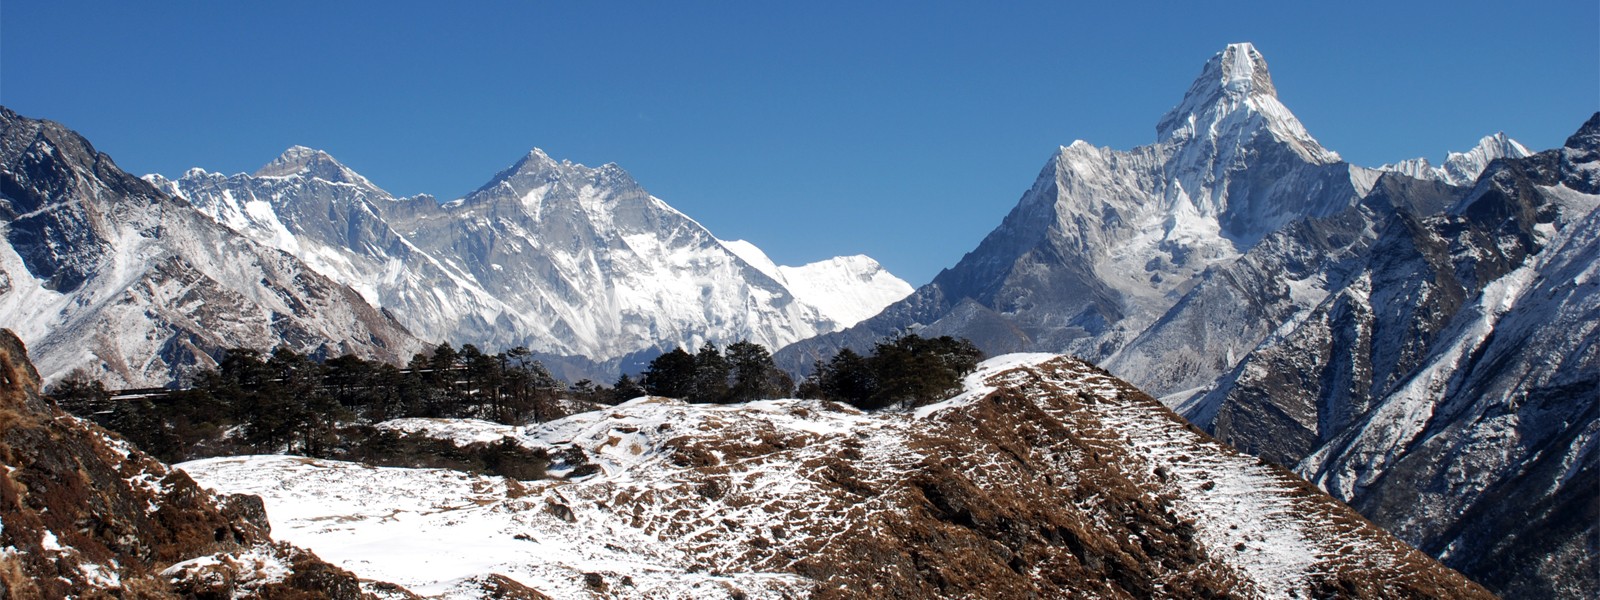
x=286 y=402
x=743 y=373
x=905 y=371
x=908 y=370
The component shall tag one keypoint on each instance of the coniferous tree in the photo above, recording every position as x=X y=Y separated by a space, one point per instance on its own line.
x=711 y=371
x=914 y=370
x=626 y=389
x=754 y=375
x=848 y=377
x=82 y=395
x=671 y=375
x=441 y=379
x=308 y=412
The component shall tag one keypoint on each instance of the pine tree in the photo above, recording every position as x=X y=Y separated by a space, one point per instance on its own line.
x=914 y=370
x=626 y=389
x=82 y=395
x=671 y=375
x=711 y=371
x=848 y=377
x=755 y=376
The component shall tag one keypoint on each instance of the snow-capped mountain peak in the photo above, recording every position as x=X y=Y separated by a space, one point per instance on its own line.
x=314 y=164
x=561 y=257
x=537 y=176
x=1462 y=168
x=1234 y=99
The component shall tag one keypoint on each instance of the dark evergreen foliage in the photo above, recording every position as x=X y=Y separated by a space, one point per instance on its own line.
x=286 y=402
x=910 y=370
x=744 y=373
x=710 y=375
x=671 y=375
x=754 y=376
x=626 y=389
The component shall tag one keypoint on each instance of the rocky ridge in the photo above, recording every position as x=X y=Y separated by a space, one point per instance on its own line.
x=1246 y=276
x=1452 y=369
x=1105 y=241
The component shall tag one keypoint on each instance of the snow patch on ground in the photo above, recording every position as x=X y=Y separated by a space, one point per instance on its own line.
x=694 y=500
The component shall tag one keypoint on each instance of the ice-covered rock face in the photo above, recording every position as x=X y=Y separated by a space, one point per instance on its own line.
x=1451 y=369
x=104 y=272
x=1106 y=241
x=589 y=263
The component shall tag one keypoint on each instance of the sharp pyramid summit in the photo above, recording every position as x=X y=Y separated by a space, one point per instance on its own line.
x=1105 y=241
x=1233 y=99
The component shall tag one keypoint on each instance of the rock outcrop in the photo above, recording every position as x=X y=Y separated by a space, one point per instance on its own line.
x=83 y=514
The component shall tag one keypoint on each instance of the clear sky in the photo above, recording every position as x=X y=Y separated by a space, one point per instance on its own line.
x=902 y=130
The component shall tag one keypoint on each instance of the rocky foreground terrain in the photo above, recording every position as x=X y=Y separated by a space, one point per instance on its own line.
x=83 y=514
x=1047 y=478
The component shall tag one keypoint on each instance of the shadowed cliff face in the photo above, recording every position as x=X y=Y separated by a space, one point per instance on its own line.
x=86 y=514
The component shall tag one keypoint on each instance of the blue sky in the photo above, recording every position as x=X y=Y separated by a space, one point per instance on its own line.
x=902 y=130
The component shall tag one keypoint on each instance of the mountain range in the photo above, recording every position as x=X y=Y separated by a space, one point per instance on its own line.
x=103 y=273
x=1417 y=340
x=561 y=258
x=138 y=282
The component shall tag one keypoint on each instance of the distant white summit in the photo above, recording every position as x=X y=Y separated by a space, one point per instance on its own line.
x=309 y=162
x=846 y=289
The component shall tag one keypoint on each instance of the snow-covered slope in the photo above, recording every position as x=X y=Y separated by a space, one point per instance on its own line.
x=89 y=516
x=309 y=205
x=559 y=257
x=101 y=271
x=1046 y=477
x=1241 y=272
